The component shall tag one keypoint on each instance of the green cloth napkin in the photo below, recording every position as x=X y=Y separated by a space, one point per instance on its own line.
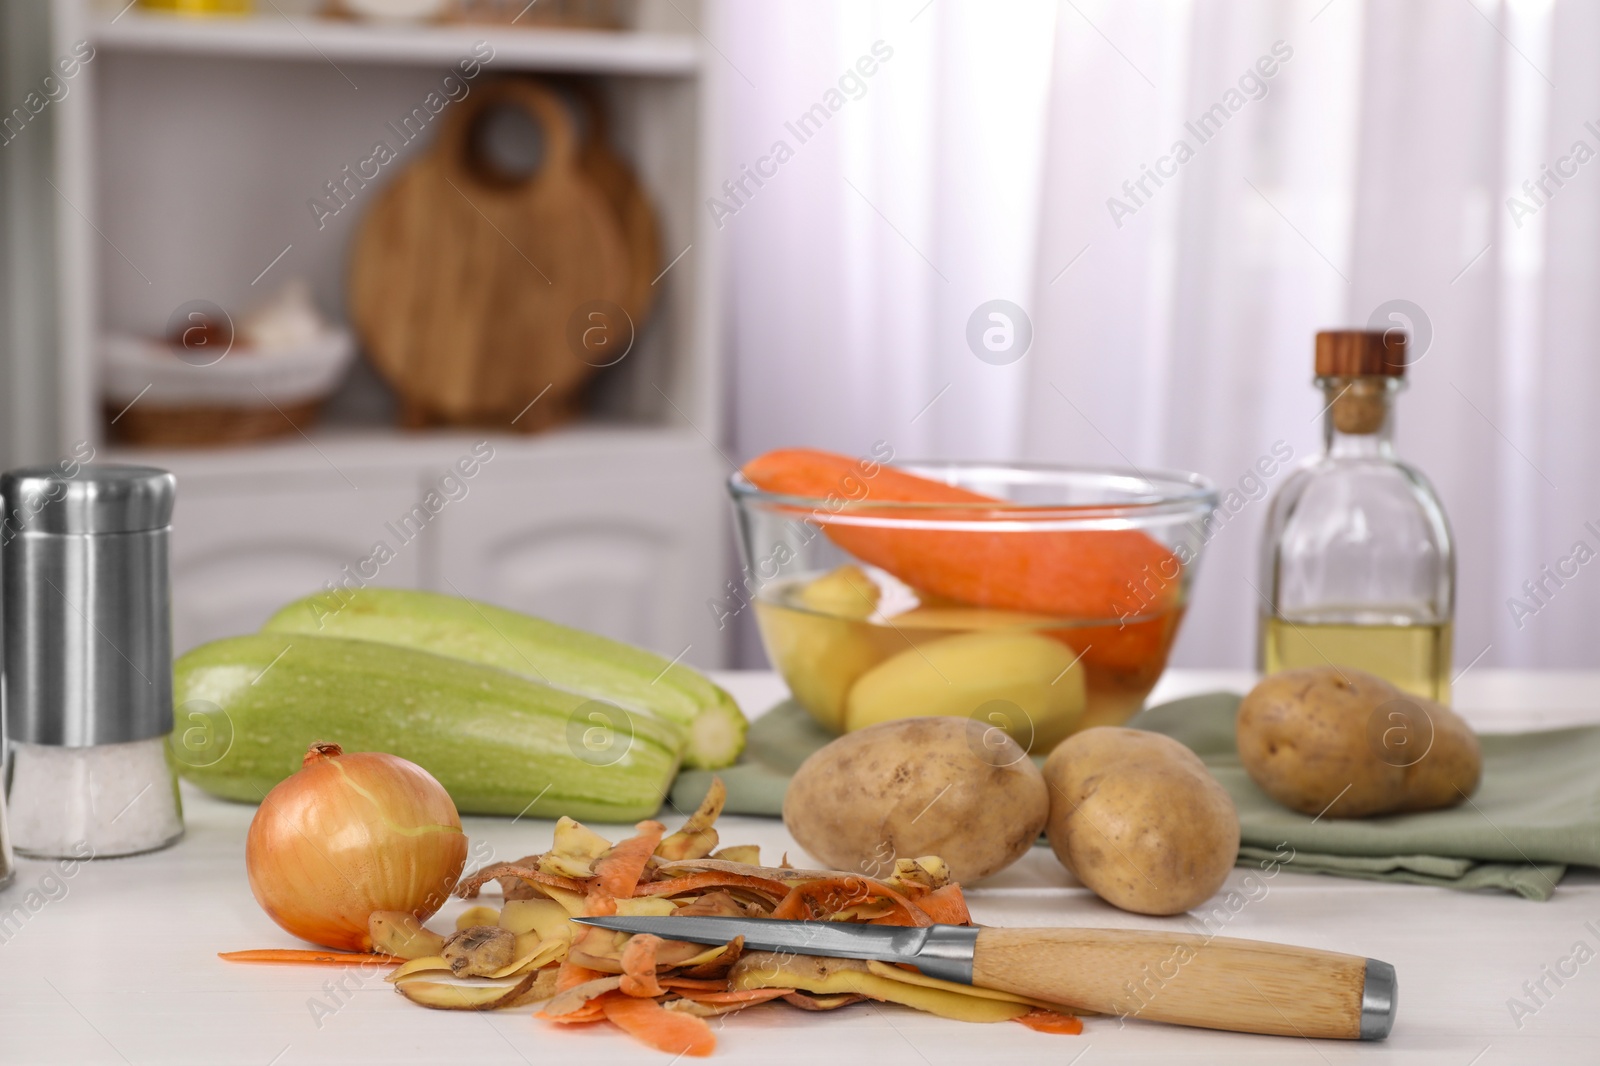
x=1537 y=811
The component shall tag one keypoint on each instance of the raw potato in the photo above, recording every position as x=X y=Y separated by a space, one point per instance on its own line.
x=1026 y=683
x=845 y=592
x=1341 y=743
x=918 y=786
x=820 y=657
x=1138 y=818
x=821 y=648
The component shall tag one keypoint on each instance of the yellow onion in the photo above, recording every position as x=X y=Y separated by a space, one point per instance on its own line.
x=346 y=835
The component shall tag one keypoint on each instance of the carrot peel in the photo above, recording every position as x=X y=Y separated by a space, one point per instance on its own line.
x=650 y=1023
x=946 y=906
x=1049 y=1021
x=306 y=956
x=639 y=966
x=816 y=899
x=621 y=868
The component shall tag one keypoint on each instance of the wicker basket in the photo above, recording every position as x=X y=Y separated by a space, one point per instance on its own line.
x=153 y=399
x=196 y=427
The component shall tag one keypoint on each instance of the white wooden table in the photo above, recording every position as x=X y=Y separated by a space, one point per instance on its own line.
x=119 y=964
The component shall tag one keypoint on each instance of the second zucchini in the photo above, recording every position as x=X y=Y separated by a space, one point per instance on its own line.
x=587 y=664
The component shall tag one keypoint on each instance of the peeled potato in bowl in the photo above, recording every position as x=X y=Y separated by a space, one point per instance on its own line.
x=1031 y=683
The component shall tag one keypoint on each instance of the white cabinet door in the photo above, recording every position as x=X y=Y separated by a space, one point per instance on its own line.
x=619 y=539
x=242 y=547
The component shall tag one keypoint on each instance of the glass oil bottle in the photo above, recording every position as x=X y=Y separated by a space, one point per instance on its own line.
x=1357 y=562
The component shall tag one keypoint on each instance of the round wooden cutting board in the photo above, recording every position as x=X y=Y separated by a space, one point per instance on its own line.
x=465 y=283
x=616 y=180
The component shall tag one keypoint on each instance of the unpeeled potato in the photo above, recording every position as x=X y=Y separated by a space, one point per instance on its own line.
x=949 y=787
x=1337 y=742
x=1138 y=818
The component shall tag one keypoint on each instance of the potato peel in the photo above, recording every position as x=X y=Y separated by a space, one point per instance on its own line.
x=570 y=1000
x=398 y=933
x=480 y=950
x=660 y=990
x=423 y=965
x=442 y=995
x=544 y=953
x=476 y=916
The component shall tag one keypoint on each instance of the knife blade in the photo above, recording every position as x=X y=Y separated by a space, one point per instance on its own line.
x=1212 y=982
x=942 y=951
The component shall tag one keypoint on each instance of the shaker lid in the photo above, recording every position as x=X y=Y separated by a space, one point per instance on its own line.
x=74 y=498
x=1353 y=353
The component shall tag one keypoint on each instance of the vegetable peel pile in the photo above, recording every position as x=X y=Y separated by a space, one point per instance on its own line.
x=662 y=991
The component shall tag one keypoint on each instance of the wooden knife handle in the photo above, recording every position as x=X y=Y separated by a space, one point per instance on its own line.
x=1246 y=986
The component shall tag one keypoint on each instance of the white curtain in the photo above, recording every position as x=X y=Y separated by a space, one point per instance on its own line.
x=1345 y=160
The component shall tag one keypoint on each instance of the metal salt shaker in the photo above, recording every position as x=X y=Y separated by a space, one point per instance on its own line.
x=86 y=607
x=8 y=862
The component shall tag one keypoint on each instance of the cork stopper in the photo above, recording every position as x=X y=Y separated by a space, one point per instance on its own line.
x=1351 y=353
x=1361 y=406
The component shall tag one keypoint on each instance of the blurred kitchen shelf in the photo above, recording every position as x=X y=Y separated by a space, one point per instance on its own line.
x=195 y=149
x=344 y=450
x=273 y=36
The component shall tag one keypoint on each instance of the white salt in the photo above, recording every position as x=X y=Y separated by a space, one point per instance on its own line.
x=119 y=799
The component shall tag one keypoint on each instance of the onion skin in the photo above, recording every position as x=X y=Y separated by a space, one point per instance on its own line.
x=347 y=835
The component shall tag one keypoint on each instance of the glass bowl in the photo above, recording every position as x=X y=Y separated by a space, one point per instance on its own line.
x=1048 y=608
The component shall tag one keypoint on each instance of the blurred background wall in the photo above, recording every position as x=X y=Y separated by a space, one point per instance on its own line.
x=1375 y=175
x=844 y=189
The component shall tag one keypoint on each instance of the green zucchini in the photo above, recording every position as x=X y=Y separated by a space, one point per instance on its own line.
x=248 y=707
x=584 y=663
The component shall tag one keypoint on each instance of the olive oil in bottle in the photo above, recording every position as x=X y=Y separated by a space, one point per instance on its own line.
x=1412 y=654
x=1357 y=562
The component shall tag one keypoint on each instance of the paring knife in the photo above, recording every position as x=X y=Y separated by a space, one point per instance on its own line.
x=1246 y=986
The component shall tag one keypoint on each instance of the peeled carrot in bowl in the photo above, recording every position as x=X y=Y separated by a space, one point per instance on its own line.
x=1075 y=575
